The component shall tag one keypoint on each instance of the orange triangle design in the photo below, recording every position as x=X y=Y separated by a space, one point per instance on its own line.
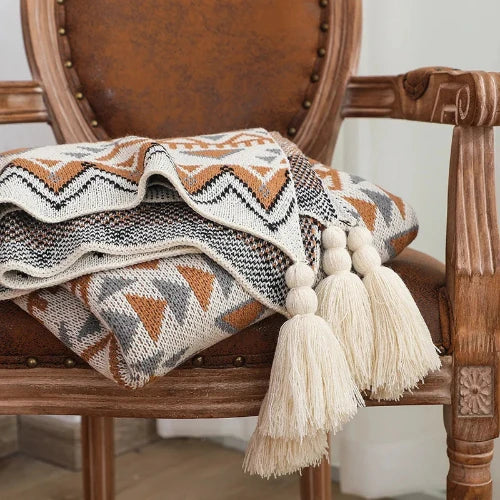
x=81 y=285
x=266 y=192
x=244 y=316
x=262 y=170
x=49 y=163
x=150 y=264
x=201 y=282
x=96 y=348
x=213 y=153
x=400 y=242
x=35 y=301
x=150 y=312
x=366 y=209
x=331 y=178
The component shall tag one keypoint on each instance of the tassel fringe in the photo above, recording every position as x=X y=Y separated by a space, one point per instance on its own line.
x=345 y=305
x=269 y=457
x=404 y=351
x=311 y=390
x=369 y=334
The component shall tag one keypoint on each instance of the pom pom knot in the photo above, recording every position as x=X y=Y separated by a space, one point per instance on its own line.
x=299 y=274
x=365 y=257
x=333 y=237
x=301 y=300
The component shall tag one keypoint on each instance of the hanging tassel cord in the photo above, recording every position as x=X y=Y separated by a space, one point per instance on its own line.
x=345 y=305
x=404 y=352
x=311 y=390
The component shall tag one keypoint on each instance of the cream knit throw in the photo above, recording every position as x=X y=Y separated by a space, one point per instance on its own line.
x=162 y=248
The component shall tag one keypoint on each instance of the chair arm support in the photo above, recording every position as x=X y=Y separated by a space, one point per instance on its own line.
x=22 y=102
x=473 y=284
x=437 y=95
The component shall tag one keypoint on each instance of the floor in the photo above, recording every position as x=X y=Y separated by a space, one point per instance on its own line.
x=177 y=469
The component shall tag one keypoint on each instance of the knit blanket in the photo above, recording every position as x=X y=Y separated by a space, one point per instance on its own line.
x=76 y=209
x=135 y=323
x=138 y=253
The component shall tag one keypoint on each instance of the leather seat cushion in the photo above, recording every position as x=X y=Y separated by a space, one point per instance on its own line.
x=22 y=337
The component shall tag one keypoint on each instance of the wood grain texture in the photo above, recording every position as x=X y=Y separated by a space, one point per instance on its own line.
x=473 y=288
x=316 y=482
x=473 y=280
x=436 y=95
x=318 y=133
x=469 y=477
x=469 y=382
x=98 y=458
x=41 y=42
x=194 y=393
x=22 y=102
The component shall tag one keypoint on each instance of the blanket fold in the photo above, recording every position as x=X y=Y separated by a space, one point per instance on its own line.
x=161 y=248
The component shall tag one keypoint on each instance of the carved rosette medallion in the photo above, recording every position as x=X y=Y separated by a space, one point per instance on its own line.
x=475 y=393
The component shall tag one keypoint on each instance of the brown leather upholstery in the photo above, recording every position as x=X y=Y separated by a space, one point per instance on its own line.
x=26 y=338
x=181 y=68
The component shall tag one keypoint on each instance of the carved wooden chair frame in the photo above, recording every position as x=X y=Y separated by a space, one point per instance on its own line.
x=470 y=312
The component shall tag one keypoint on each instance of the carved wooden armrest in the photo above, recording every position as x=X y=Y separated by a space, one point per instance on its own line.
x=473 y=286
x=437 y=95
x=22 y=102
x=471 y=102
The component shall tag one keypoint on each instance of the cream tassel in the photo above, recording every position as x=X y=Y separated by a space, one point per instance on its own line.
x=311 y=391
x=404 y=351
x=344 y=303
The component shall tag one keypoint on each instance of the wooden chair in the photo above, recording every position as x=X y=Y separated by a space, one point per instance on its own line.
x=166 y=68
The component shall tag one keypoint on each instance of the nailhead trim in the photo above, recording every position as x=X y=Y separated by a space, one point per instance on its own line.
x=314 y=77
x=85 y=107
x=31 y=362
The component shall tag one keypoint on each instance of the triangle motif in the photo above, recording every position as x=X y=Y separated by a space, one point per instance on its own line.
x=366 y=209
x=201 y=282
x=331 y=178
x=150 y=312
x=48 y=163
x=213 y=153
x=244 y=315
x=398 y=202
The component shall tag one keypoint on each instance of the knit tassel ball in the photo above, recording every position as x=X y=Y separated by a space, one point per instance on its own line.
x=311 y=390
x=345 y=305
x=404 y=351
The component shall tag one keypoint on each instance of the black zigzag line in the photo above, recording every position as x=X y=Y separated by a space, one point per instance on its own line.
x=227 y=170
x=273 y=226
x=87 y=166
x=60 y=204
x=303 y=191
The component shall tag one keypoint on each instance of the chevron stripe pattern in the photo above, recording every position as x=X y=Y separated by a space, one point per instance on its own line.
x=160 y=249
x=241 y=179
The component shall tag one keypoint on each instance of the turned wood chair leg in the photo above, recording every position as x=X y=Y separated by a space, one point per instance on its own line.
x=98 y=458
x=469 y=476
x=316 y=482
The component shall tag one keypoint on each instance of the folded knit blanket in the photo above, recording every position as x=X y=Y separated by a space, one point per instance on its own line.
x=162 y=248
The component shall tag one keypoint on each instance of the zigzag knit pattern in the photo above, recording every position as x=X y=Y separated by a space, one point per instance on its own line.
x=162 y=248
x=138 y=322
x=175 y=208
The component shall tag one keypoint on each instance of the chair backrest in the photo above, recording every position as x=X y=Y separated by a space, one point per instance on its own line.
x=164 y=68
